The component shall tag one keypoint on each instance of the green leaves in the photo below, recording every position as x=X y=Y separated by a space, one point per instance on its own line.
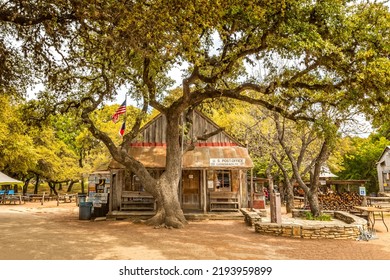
x=359 y=160
x=17 y=153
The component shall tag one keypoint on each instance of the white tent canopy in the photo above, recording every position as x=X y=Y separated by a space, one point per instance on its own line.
x=6 y=180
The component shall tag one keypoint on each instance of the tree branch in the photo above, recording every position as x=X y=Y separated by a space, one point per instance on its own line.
x=17 y=18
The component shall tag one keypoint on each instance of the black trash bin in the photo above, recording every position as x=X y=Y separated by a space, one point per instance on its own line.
x=85 y=210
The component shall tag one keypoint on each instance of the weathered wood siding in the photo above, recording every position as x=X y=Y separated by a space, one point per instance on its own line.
x=201 y=125
x=154 y=133
x=117 y=183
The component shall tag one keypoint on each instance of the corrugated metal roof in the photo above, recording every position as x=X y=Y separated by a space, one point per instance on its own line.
x=325 y=172
x=226 y=157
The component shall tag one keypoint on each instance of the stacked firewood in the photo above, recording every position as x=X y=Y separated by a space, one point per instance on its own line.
x=339 y=202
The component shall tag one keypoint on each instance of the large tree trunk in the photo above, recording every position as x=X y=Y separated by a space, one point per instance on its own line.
x=70 y=186
x=52 y=186
x=289 y=184
x=82 y=185
x=25 y=186
x=169 y=212
x=290 y=196
x=36 y=187
x=164 y=189
x=312 y=194
x=312 y=198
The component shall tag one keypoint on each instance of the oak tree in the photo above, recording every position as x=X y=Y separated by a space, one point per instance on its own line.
x=334 y=52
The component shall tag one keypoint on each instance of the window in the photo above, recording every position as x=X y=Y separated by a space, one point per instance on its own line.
x=136 y=186
x=220 y=180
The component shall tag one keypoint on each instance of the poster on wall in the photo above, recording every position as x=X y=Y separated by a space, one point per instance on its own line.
x=98 y=199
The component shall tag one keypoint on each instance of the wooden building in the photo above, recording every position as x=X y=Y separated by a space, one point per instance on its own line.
x=383 y=168
x=214 y=176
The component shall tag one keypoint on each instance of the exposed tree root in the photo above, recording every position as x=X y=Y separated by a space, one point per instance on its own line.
x=160 y=220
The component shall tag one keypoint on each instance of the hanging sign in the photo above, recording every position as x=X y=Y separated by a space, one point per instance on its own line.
x=227 y=162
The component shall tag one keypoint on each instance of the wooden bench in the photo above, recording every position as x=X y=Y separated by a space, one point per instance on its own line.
x=224 y=201
x=136 y=201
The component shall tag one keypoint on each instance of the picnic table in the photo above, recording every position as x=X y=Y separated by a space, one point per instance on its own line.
x=66 y=198
x=4 y=198
x=10 y=196
x=379 y=201
x=37 y=197
x=373 y=213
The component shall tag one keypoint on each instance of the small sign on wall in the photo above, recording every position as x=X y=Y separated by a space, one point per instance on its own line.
x=362 y=191
x=227 y=162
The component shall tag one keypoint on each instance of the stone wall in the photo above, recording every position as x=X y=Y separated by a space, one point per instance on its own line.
x=309 y=232
x=352 y=228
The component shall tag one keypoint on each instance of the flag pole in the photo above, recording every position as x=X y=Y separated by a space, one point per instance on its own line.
x=125 y=118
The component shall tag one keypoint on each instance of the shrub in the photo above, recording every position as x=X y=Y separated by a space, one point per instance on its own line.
x=322 y=217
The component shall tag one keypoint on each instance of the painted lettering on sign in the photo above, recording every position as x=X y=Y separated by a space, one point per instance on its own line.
x=227 y=161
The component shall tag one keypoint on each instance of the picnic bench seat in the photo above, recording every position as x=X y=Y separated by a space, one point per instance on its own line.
x=224 y=201
x=133 y=200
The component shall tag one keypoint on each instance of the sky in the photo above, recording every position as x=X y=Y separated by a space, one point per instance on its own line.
x=175 y=73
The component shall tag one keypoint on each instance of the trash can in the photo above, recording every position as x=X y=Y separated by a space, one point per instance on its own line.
x=85 y=210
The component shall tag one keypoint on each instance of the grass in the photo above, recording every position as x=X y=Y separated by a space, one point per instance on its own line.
x=44 y=188
x=322 y=217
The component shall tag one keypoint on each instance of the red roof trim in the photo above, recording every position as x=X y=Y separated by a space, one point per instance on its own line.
x=199 y=144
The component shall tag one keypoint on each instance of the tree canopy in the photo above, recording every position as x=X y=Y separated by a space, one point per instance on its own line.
x=291 y=57
x=315 y=51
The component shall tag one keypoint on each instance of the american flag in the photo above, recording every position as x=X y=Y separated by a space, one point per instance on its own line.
x=121 y=110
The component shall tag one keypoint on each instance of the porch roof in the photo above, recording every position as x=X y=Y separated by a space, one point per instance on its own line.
x=224 y=157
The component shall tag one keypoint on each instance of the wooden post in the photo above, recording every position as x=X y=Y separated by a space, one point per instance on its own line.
x=276 y=216
x=241 y=198
x=204 y=191
x=117 y=182
x=252 y=192
x=275 y=207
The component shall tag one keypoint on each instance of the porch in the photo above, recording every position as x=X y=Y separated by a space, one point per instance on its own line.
x=191 y=215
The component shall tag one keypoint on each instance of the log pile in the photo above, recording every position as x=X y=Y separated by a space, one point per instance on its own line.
x=339 y=202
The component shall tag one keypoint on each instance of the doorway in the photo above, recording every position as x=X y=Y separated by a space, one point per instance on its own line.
x=191 y=189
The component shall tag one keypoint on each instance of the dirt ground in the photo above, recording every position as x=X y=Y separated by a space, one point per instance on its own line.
x=49 y=232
